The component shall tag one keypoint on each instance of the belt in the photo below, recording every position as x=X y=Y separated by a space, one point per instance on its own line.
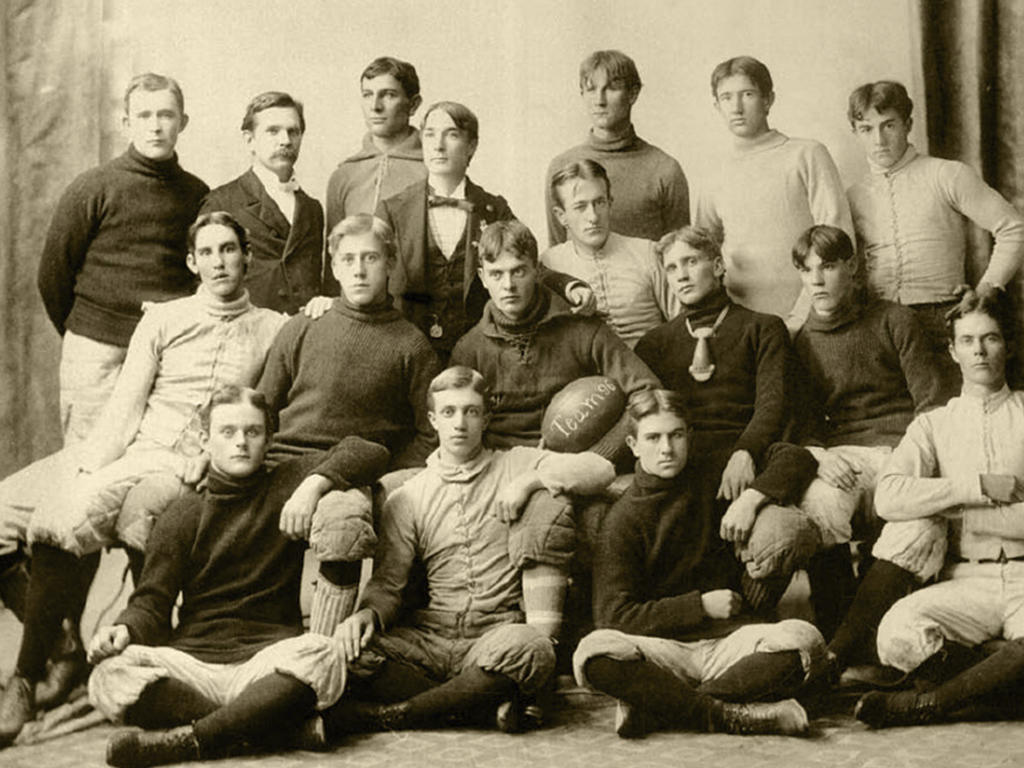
x=1001 y=559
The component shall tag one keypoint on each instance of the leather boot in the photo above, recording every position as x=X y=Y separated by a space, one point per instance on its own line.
x=65 y=669
x=17 y=707
x=886 y=710
x=137 y=749
x=783 y=717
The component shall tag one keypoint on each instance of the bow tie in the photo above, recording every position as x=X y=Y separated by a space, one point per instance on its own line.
x=437 y=201
x=292 y=185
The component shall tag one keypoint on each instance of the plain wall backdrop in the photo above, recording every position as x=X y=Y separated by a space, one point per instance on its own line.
x=515 y=64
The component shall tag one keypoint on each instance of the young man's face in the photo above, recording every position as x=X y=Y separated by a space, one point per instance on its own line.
x=360 y=264
x=511 y=280
x=609 y=103
x=660 y=444
x=829 y=284
x=585 y=211
x=979 y=348
x=386 y=108
x=883 y=135
x=692 y=275
x=460 y=418
x=153 y=123
x=238 y=439
x=743 y=107
x=275 y=140
x=219 y=261
x=447 y=149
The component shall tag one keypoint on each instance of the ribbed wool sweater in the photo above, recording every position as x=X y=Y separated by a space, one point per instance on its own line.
x=351 y=372
x=745 y=401
x=651 y=194
x=223 y=550
x=117 y=239
x=865 y=373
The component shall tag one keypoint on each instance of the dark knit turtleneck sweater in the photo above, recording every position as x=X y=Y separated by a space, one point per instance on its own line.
x=744 y=404
x=652 y=196
x=223 y=550
x=866 y=372
x=351 y=372
x=117 y=239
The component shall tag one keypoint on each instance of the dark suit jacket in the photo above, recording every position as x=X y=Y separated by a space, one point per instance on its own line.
x=406 y=212
x=288 y=266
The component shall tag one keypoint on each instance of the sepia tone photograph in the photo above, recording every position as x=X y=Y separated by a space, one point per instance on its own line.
x=511 y=382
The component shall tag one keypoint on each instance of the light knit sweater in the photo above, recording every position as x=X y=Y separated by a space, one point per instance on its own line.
x=764 y=196
x=910 y=222
x=632 y=293
x=651 y=194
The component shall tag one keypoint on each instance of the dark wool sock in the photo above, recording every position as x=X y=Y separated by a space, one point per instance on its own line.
x=473 y=695
x=758 y=677
x=136 y=560
x=14 y=581
x=882 y=585
x=52 y=591
x=991 y=681
x=650 y=688
x=830 y=574
x=341 y=572
x=266 y=710
x=167 y=703
x=946 y=664
x=394 y=681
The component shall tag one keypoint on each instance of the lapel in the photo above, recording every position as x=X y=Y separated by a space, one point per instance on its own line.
x=262 y=207
x=484 y=212
x=410 y=218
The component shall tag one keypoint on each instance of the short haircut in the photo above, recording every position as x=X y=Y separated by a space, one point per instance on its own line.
x=150 y=81
x=616 y=65
x=995 y=304
x=650 y=402
x=402 y=71
x=232 y=394
x=743 y=65
x=578 y=169
x=880 y=96
x=698 y=238
x=222 y=218
x=830 y=243
x=269 y=100
x=460 y=114
x=510 y=236
x=459 y=377
x=360 y=224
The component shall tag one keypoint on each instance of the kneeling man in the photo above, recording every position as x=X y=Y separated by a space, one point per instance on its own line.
x=675 y=644
x=237 y=666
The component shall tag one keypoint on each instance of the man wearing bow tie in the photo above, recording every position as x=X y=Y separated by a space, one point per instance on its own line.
x=285 y=224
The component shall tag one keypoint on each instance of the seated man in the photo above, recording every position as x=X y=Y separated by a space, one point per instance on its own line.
x=733 y=367
x=674 y=643
x=285 y=225
x=867 y=369
x=911 y=213
x=962 y=464
x=467 y=651
x=69 y=504
x=631 y=291
x=237 y=667
x=361 y=369
x=529 y=344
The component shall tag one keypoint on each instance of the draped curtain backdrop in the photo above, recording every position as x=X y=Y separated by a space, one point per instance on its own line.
x=973 y=53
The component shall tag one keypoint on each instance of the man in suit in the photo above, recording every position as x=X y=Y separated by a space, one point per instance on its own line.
x=285 y=224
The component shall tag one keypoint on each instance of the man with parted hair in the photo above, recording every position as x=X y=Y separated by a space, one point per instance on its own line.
x=676 y=643
x=117 y=240
x=652 y=195
x=285 y=225
x=391 y=157
x=360 y=369
x=765 y=194
x=235 y=670
x=70 y=505
x=631 y=292
x=911 y=212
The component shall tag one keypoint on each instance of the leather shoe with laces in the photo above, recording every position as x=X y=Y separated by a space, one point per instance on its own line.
x=17 y=707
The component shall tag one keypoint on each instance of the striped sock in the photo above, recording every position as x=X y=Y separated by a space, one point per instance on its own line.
x=544 y=588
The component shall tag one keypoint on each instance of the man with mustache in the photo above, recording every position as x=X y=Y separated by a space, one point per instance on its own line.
x=285 y=225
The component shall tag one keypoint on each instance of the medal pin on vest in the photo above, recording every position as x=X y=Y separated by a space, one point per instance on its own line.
x=703 y=367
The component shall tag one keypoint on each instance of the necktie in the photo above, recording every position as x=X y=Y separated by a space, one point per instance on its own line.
x=703 y=366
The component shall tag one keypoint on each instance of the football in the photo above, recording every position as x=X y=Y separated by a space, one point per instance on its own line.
x=582 y=413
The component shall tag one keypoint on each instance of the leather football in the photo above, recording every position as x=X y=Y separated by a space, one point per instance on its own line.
x=582 y=413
